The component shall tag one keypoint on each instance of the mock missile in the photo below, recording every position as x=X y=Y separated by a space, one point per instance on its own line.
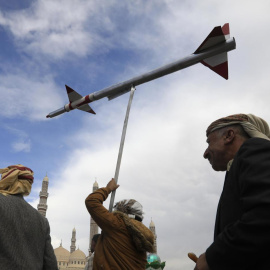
x=212 y=53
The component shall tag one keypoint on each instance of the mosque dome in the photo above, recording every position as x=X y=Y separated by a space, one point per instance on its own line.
x=77 y=255
x=77 y=260
x=154 y=262
x=61 y=254
x=153 y=258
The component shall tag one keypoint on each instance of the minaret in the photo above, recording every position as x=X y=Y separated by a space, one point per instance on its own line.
x=43 y=195
x=153 y=230
x=93 y=224
x=73 y=241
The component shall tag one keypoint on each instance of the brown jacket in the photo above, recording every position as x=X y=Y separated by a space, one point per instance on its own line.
x=123 y=242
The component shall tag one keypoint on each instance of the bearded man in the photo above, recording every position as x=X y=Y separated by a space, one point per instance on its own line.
x=124 y=240
x=25 y=241
x=239 y=144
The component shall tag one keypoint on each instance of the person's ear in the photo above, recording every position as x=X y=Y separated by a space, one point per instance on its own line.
x=229 y=136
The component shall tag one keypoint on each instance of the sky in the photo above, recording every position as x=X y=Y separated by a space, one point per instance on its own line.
x=90 y=45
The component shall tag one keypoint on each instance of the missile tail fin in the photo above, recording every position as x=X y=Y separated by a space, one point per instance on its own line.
x=86 y=108
x=73 y=96
x=217 y=63
x=218 y=35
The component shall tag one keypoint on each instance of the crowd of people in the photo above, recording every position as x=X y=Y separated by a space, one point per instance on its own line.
x=237 y=144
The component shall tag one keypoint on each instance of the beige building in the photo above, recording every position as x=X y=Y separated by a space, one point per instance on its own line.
x=69 y=261
x=62 y=256
x=43 y=196
x=75 y=258
x=93 y=224
x=152 y=227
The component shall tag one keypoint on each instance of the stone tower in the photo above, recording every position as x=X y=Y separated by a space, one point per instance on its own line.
x=153 y=230
x=93 y=224
x=43 y=196
x=73 y=241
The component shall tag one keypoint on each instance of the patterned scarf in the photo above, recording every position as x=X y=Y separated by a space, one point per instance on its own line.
x=16 y=179
x=254 y=126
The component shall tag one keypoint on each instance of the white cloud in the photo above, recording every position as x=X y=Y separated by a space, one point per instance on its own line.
x=22 y=146
x=22 y=96
x=22 y=142
x=58 y=28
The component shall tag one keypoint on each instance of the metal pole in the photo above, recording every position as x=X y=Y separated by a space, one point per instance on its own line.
x=121 y=145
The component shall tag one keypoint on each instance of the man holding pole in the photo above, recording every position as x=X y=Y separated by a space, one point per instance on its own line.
x=239 y=144
x=124 y=240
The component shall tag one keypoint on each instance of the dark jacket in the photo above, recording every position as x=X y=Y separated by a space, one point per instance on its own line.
x=25 y=242
x=123 y=242
x=242 y=229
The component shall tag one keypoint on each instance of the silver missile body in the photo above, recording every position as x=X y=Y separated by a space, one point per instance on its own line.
x=212 y=56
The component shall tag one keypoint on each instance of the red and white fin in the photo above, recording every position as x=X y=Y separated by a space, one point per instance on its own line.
x=73 y=96
x=217 y=63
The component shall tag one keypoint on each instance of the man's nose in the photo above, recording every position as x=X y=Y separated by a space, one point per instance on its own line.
x=205 y=154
